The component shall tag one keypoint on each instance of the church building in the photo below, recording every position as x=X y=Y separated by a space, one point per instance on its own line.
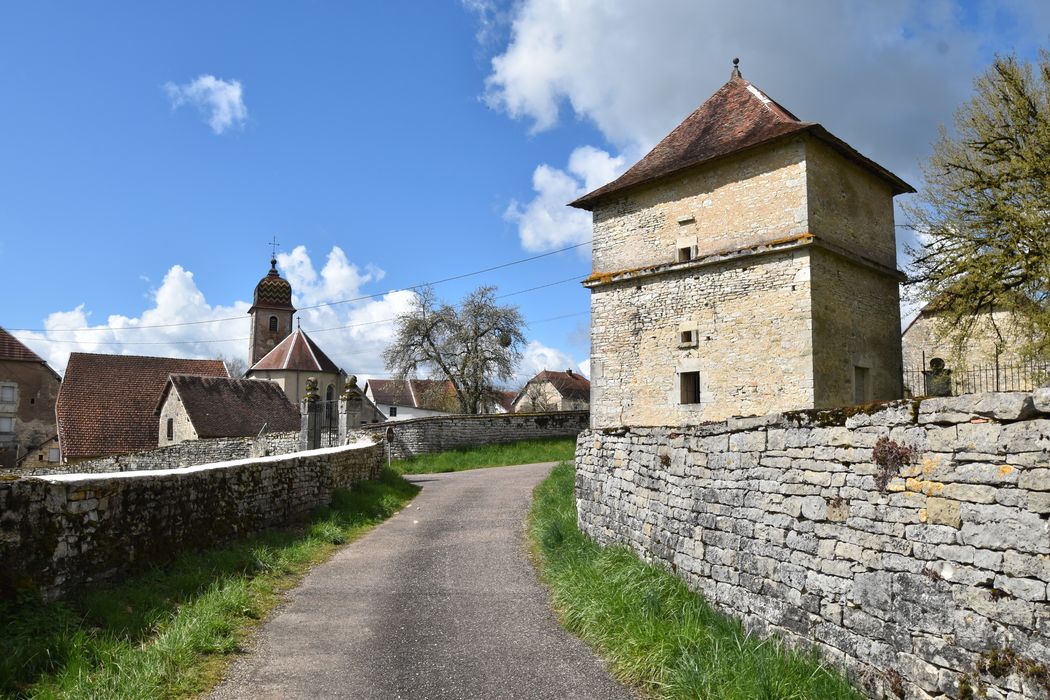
x=746 y=265
x=284 y=355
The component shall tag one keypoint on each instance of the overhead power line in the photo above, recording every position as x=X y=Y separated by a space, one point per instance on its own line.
x=364 y=297
x=316 y=330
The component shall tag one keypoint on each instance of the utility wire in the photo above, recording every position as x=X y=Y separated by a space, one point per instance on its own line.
x=307 y=308
x=315 y=331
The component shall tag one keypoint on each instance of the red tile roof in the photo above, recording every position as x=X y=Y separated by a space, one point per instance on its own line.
x=428 y=394
x=106 y=403
x=571 y=385
x=737 y=117
x=11 y=348
x=223 y=407
x=297 y=352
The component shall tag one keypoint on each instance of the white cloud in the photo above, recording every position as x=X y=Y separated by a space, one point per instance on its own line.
x=538 y=357
x=545 y=223
x=221 y=102
x=585 y=367
x=178 y=300
x=882 y=76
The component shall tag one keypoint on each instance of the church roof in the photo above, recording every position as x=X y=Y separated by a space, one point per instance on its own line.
x=106 y=403
x=297 y=352
x=11 y=348
x=737 y=117
x=273 y=291
x=224 y=407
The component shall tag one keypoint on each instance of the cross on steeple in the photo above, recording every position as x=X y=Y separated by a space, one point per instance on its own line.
x=273 y=244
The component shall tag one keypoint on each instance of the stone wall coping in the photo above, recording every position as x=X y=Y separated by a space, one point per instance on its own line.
x=464 y=417
x=146 y=473
x=1001 y=407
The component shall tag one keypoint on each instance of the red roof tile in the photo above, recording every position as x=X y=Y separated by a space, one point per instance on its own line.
x=106 y=403
x=297 y=352
x=571 y=385
x=737 y=117
x=223 y=407
x=11 y=348
x=429 y=394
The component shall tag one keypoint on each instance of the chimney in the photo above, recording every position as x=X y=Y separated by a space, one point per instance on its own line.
x=568 y=372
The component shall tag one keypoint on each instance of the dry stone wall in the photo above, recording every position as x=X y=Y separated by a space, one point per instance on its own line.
x=62 y=531
x=184 y=454
x=935 y=586
x=408 y=438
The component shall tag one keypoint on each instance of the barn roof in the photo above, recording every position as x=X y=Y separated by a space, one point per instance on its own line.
x=224 y=407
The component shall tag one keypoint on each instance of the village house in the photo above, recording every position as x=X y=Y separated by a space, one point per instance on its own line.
x=192 y=407
x=107 y=403
x=28 y=389
x=554 y=391
x=401 y=399
x=746 y=265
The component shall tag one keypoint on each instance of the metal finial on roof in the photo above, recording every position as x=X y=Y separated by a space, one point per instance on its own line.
x=736 y=69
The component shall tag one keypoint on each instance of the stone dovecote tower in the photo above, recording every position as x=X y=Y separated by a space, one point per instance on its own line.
x=271 y=314
x=746 y=265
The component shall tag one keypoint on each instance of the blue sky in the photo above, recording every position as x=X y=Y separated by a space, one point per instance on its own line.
x=387 y=144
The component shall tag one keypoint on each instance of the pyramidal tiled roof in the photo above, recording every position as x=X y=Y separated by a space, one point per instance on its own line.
x=737 y=117
x=11 y=348
x=299 y=353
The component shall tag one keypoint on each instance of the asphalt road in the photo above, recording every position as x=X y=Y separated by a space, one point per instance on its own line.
x=440 y=601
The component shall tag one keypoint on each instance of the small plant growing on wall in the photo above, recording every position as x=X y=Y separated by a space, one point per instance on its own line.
x=890 y=456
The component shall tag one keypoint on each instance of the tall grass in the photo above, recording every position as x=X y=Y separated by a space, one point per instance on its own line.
x=521 y=452
x=653 y=630
x=169 y=632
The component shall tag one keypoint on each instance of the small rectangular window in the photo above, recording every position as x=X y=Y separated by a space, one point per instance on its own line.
x=690 y=382
x=7 y=394
x=7 y=424
x=861 y=385
x=171 y=428
x=53 y=455
x=687 y=339
x=685 y=254
x=393 y=411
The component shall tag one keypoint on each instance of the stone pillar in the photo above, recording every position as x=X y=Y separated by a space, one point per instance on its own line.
x=310 y=421
x=350 y=405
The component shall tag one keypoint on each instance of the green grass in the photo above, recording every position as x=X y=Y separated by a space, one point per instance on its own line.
x=655 y=632
x=169 y=632
x=521 y=452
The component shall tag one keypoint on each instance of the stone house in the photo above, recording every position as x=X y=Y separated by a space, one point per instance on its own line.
x=746 y=265
x=107 y=404
x=28 y=389
x=193 y=407
x=401 y=399
x=554 y=391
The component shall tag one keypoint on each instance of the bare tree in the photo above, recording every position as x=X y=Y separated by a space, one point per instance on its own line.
x=236 y=366
x=473 y=346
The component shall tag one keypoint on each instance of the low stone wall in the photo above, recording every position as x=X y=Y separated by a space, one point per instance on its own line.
x=184 y=454
x=438 y=433
x=59 y=532
x=933 y=585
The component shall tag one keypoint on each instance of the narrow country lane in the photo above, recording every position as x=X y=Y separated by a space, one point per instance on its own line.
x=438 y=602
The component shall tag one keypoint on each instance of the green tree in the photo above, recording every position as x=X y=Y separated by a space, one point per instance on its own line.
x=983 y=217
x=474 y=346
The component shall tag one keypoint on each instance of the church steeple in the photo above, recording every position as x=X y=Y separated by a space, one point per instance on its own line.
x=271 y=313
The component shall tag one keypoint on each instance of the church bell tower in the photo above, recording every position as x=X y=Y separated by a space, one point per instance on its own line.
x=271 y=314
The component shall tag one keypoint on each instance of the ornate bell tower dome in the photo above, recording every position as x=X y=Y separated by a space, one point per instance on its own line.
x=271 y=313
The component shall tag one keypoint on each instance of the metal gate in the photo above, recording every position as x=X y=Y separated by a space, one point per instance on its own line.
x=323 y=426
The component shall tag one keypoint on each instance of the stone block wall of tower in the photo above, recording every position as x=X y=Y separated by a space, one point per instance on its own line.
x=791 y=290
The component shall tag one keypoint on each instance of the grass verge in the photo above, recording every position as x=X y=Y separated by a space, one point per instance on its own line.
x=655 y=632
x=521 y=452
x=169 y=632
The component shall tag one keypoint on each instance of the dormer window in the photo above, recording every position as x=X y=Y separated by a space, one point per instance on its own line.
x=273 y=324
x=686 y=248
